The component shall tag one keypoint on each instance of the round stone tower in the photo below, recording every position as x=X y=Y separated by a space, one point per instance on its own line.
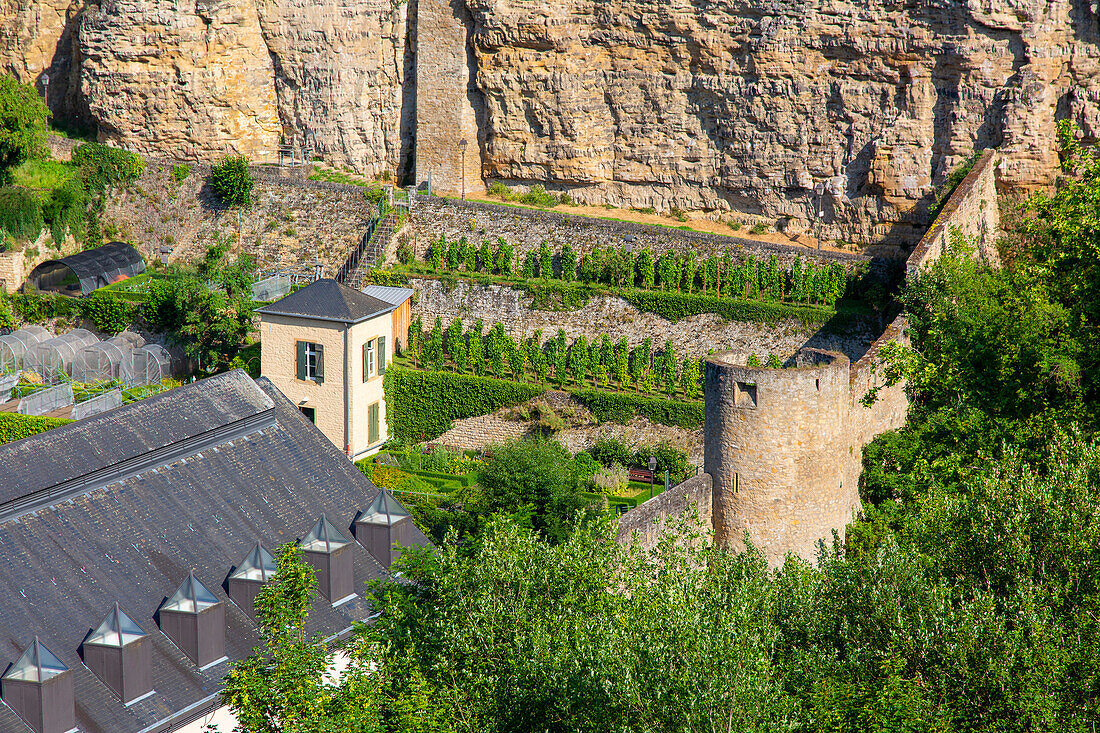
x=777 y=448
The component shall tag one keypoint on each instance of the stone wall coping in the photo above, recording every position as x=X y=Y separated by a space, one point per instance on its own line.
x=736 y=360
x=664 y=505
x=961 y=193
x=627 y=227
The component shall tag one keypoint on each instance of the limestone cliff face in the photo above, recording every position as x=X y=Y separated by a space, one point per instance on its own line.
x=780 y=108
x=199 y=78
x=756 y=104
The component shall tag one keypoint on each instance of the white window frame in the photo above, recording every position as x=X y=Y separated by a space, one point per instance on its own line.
x=372 y=358
x=312 y=352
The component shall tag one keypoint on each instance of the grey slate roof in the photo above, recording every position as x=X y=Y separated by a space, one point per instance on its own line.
x=393 y=296
x=256 y=471
x=328 y=300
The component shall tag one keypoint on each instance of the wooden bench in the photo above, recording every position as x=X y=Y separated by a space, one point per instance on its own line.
x=641 y=474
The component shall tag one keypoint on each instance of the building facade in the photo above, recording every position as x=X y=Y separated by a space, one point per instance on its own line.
x=326 y=348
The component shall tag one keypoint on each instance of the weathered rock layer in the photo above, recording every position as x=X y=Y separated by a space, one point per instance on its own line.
x=834 y=114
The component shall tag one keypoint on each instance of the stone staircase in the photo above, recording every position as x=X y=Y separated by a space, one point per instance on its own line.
x=372 y=245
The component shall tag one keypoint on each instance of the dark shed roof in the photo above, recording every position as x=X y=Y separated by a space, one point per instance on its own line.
x=93 y=268
x=138 y=497
x=328 y=300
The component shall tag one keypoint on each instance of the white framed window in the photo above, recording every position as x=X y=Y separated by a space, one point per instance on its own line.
x=369 y=360
x=310 y=358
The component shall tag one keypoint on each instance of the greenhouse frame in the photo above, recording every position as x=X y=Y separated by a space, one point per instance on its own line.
x=53 y=359
x=46 y=401
x=14 y=346
x=102 y=361
x=147 y=364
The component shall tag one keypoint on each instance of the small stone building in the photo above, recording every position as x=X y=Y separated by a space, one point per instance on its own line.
x=326 y=348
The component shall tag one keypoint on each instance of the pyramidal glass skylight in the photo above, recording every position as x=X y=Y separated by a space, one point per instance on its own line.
x=191 y=597
x=117 y=630
x=384 y=510
x=324 y=537
x=258 y=566
x=37 y=664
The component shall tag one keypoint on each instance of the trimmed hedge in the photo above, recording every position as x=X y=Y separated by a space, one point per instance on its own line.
x=423 y=405
x=620 y=408
x=14 y=426
x=674 y=306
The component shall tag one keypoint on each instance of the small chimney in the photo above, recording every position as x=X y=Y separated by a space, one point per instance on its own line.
x=39 y=688
x=120 y=655
x=245 y=581
x=329 y=552
x=194 y=619
x=384 y=528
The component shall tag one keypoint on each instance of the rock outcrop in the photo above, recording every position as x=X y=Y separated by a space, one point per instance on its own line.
x=836 y=115
x=780 y=107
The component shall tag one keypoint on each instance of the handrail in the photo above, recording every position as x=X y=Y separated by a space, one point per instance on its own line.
x=356 y=255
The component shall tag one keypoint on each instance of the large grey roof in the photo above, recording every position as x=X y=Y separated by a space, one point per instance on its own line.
x=134 y=541
x=328 y=300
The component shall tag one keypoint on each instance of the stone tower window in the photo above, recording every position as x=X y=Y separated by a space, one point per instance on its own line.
x=745 y=395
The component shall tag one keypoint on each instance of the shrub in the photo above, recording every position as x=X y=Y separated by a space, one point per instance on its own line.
x=104 y=166
x=538 y=196
x=608 y=451
x=66 y=208
x=108 y=312
x=232 y=182
x=20 y=213
x=23 y=118
x=610 y=480
x=14 y=426
x=180 y=172
x=758 y=228
x=499 y=190
x=422 y=405
x=621 y=408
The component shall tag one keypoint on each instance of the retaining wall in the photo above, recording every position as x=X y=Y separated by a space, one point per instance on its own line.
x=648 y=521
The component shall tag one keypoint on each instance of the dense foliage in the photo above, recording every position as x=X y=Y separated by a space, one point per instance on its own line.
x=23 y=118
x=746 y=278
x=621 y=408
x=965 y=598
x=103 y=166
x=20 y=214
x=422 y=405
x=602 y=363
x=231 y=180
x=14 y=426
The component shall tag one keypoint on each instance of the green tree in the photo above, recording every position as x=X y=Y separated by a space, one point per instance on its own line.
x=23 y=119
x=504 y=257
x=211 y=307
x=667 y=369
x=476 y=349
x=529 y=263
x=578 y=361
x=568 y=263
x=644 y=264
x=469 y=256
x=531 y=478
x=485 y=257
x=689 y=378
x=437 y=253
x=281 y=688
x=232 y=182
x=546 y=261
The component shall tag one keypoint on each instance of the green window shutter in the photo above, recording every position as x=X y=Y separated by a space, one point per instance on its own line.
x=320 y=363
x=381 y=354
x=365 y=362
x=372 y=433
x=300 y=354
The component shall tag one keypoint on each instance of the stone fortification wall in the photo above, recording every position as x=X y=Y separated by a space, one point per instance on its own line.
x=527 y=229
x=774 y=440
x=785 y=446
x=648 y=521
x=971 y=210
x=694 y=335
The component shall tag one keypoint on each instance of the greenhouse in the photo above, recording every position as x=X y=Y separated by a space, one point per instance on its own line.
x=102 y=403
x=53 y=359
x=47 y=400
x=271 y=288
x=87 y=271
x=14 y=346
x=147 y=364
x=102 y=361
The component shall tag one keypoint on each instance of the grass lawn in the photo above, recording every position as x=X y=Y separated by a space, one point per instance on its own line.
x=42 y=174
